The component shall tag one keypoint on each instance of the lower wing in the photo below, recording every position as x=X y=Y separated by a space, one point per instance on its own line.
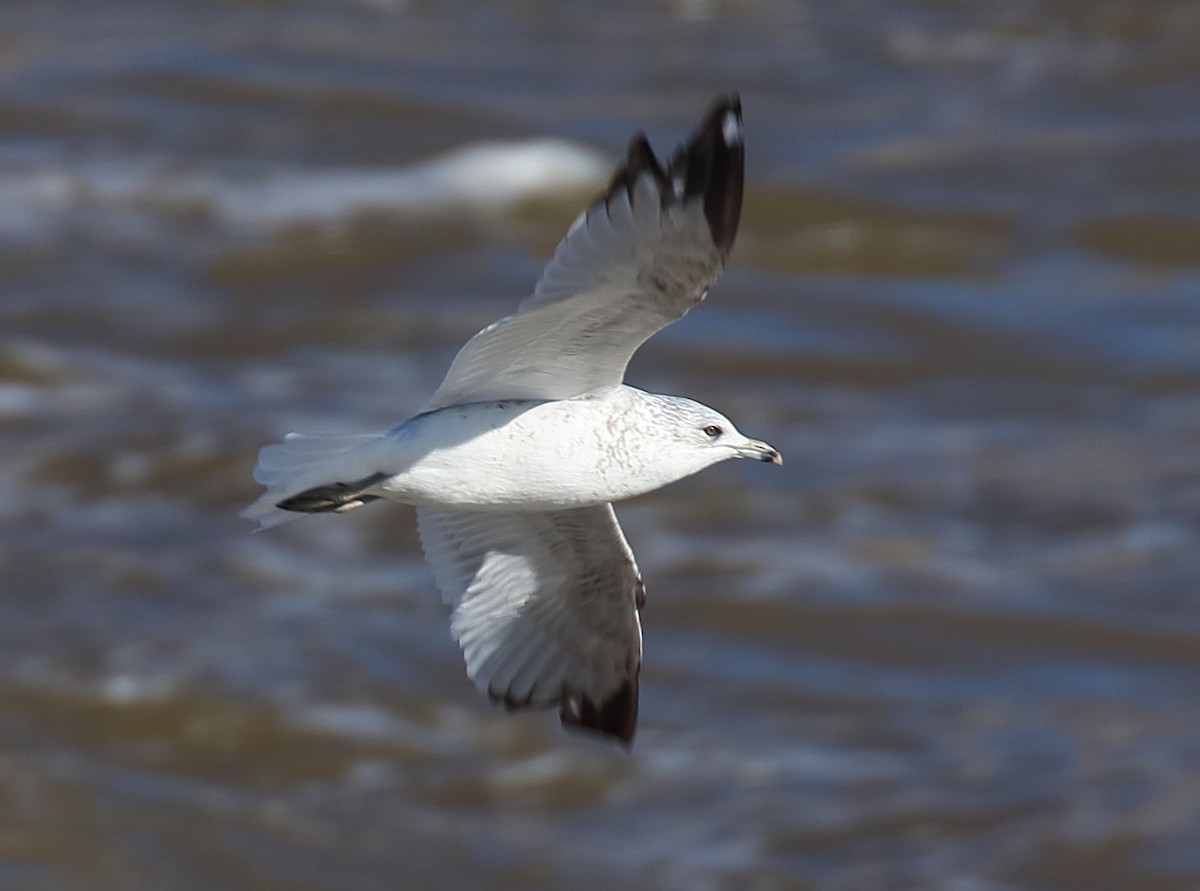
x=545 y=608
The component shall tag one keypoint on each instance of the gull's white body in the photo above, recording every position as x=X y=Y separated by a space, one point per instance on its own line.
x=516 y=461
x=522 y=455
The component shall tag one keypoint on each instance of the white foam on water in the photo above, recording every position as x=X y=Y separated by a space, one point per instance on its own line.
x=40 y=197
x=483 y=177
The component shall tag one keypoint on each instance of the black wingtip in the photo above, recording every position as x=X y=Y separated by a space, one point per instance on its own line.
x=615 y=717
x=710 y=164
x=334 y=496
x=639 y=159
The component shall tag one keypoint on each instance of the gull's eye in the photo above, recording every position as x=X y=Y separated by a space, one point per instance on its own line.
x=713 y=431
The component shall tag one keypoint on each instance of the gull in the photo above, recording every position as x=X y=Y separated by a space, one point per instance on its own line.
x=515 y=462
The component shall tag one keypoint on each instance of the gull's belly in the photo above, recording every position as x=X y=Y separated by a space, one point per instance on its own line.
x=513 y=455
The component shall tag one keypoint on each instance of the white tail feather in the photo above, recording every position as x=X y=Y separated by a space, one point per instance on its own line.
x=303 y=461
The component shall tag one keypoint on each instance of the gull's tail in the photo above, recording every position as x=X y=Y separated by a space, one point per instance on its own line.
x=305 y=466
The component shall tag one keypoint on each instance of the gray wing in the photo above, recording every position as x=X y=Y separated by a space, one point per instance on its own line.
x=545 y=608
x=638 y=259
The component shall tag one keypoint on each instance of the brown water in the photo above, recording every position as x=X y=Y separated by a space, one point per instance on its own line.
x=954 y=643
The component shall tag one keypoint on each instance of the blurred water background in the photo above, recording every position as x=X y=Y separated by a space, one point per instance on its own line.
x=953 y=643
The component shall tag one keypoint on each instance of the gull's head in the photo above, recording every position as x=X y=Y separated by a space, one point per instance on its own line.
x=705 y=436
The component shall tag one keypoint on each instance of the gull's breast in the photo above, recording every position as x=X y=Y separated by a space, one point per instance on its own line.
x=514 y=454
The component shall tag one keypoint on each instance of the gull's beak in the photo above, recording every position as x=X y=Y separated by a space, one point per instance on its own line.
x=759 y=451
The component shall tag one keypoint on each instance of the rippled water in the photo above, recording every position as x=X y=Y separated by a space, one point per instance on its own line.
x=953 y=643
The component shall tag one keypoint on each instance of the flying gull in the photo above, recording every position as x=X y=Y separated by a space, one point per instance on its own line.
x=514 y=463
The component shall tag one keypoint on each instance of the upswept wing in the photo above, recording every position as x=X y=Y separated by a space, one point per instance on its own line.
x=639 y=258
x=545 y=608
